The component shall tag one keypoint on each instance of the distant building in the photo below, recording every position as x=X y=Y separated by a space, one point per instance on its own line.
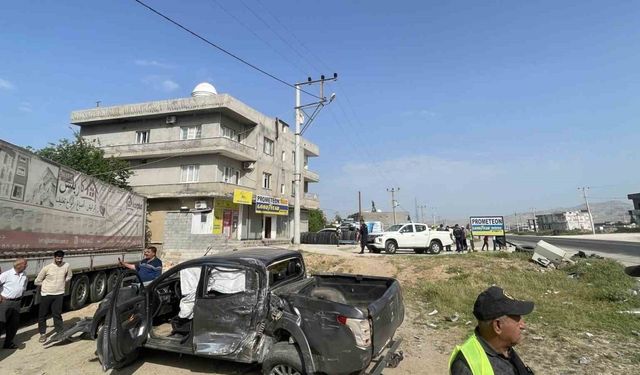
x=564 y=221
x=191 y=155
x=635 y=213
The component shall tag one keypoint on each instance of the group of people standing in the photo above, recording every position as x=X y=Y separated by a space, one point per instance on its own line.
x=463 y=238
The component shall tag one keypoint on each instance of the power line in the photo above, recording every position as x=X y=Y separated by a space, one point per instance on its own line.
x=221 y=49
x=277 y=34
x=240 y=22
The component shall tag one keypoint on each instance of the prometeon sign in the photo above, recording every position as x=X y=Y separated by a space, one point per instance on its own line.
x=487 y=225
x=271 y=206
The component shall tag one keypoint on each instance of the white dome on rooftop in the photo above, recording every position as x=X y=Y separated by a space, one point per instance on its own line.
x=204 y=89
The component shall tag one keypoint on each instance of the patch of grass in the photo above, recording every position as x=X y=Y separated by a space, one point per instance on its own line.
x=590 y=302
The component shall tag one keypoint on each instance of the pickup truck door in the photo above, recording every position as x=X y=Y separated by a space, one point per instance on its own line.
x=225 y=312
x=126 y=323
x=407 y=237
x=422 y=235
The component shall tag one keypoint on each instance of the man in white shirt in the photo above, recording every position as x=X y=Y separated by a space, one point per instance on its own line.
x=13 y=283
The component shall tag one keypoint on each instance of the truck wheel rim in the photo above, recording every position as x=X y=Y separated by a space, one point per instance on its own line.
x=101 y=285
x=82 y=292
x=284 y=370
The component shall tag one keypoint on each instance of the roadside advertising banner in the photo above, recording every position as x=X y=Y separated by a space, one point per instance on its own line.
x=242 y=197
x=487 y=225
x=272 y=206
x=220 y=205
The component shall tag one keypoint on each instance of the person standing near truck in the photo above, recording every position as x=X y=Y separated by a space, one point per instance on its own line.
x=52 y=279
x=149 y=268
x=13 y=283
x=364 y=235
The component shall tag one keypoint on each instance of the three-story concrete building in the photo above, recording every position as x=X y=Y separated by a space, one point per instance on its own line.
x=191 y=155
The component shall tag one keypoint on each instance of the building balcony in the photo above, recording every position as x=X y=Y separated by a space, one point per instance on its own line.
x=217 y=145
x=196 y=189
x=310 y=149
x=310 y=201
x=310 y=176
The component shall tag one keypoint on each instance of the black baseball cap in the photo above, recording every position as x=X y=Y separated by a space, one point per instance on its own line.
x=494 y=303
x=633 y=271
x=59 y=254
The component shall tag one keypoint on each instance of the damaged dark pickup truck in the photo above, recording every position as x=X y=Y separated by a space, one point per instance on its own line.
x=254 y=306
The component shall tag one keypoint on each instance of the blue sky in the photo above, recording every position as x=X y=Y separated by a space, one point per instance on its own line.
x=474 y=108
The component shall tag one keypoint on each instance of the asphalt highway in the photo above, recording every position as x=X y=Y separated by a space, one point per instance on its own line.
x=631 y=249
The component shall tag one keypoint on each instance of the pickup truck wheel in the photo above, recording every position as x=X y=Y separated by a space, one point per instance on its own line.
x=283 y=359
x=435 y=247
x=98 y=286
x=391 y=247
x=79 y=292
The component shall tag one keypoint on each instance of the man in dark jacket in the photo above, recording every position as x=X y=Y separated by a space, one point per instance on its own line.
x=363 y=232
x=458 y=233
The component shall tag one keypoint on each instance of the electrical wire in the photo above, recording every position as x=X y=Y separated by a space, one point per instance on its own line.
x=198 y=36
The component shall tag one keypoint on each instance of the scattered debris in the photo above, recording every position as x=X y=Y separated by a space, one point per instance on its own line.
x=452 y=318
x=467 y=322
x=584 y=361
x=549 y=256
x=634 y=311
x=589 y=335
x=537 y=338
x=432 y=325
x=637 y=333
x=416 y=337
x=434 y=312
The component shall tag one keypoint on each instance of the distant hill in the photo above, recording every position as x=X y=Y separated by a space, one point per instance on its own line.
x=614 y=210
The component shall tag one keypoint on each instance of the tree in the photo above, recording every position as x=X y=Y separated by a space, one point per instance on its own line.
x=317 y=220
x=86 y=157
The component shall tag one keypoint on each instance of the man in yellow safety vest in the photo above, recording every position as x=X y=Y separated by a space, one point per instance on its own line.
x=489 y=351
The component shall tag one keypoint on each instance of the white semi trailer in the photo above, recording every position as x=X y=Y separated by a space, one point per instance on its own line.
x=46 y=206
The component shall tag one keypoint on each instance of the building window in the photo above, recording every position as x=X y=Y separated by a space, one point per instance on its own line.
x=21 y=171
x=284 y=155
x=18 y=192
x=268 y=146
x=229 y=133
x=190 y=132
x=230 y=175
x=293 y=188
x=293 y=158
x=190 y=173
x=282 y=189
x=266 y=180
x=142 y=136
x=306 y=162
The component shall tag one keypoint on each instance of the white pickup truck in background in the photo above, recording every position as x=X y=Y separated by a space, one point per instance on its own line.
x=416 y=236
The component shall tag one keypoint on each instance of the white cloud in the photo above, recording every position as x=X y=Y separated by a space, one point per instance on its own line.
x=6 y=85
x=161 y=83
x=25 y=107
x=169 y=85
x=154 y=63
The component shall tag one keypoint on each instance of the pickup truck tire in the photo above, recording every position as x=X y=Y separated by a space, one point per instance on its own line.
x=391 y=247
x=435 y=247
x=283 y=358
x=80 y=290
x=98 y=286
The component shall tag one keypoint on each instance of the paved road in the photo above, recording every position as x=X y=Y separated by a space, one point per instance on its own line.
x=617 y=249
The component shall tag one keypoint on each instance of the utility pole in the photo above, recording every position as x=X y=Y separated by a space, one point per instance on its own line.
x=301 y=126
x=517 y=222
x=422 y=207
x=586 y=201
x=393 y=202
x=359 y=206
x=415 y=203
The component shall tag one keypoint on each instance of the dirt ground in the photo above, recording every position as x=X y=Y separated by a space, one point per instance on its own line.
x=426 y=348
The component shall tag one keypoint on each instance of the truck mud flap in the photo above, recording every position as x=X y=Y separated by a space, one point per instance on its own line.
x=72 y=334
x=389 y=358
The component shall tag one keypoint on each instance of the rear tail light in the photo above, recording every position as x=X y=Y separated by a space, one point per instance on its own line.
x=361 y=329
